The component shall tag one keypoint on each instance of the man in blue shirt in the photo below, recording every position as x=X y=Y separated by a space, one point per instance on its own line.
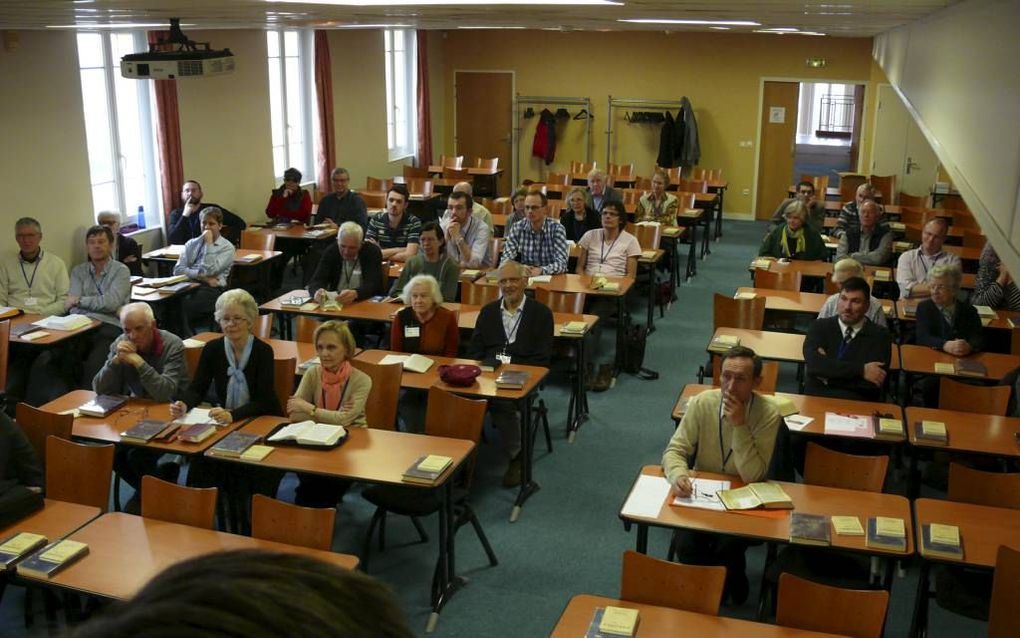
x=538 y=242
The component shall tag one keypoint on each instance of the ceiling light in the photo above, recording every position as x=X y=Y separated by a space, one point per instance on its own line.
x=490 y=27
x=116 y=25
x=731 y=23
x=720 y=28
x=783 y=29
x=433 y=3
x=370 y=26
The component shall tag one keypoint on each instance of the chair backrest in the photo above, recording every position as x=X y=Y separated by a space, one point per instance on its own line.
x=886 y=185
x=263 y=328
x=692 y=185
x=455 y=417
x=919 y=216
x=728 y=312
x=254 y=240
x=495 y=250
x=829 y=468
x=651 y=581
x=916 y=201
x=476 y=294
x=848 y=185
x=5 y=347
x=419 y=186
x=708 y=174
x=821 y=183
x=502 y=206
x=491 y=163
x=304 y=328
x=581 y=167
x=974 y=239
x=965 y=219
x=1003 y=619
x=453 y=161
x=643 y=183
x=769 y=280
x=283 y=380
x=621 y=170
x=562 y=179
x=409 y=172
x=191 y=357
x=38 y=425
x=461 y=174
x=378 y=183
x=769 y=374
x=802 y=604
x=559 y=301
x=280 y=522
x=79 y=473
x=381 y=407
x=831 y=287
x=994 y=489
x=374 y=200
x=978 y=399
x=648 y=237
x=173 y=503
x=684 y=199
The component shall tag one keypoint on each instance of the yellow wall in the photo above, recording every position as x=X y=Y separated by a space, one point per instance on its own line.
x=43 y=155
x=720 y=73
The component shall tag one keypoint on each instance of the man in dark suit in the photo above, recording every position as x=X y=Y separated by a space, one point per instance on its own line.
x=847 y=355
x=352 y=268
x=186 y=224
x=513 y=329
x=599 y=192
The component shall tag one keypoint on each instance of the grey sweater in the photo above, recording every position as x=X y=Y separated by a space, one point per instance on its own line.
x=162 y=377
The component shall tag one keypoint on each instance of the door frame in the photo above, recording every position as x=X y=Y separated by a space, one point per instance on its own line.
x=758 y=132
x=509 y=107
x=874 y=118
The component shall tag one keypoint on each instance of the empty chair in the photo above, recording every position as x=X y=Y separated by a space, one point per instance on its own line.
x=461 y=174
x=191 y=357
x=491 y=163
x=477 y=294
x=914 y=201
x=728 y=312
x=263 y=328
x=304 y=328
x=582 y=167
x=648 y=236
x=284 y=371
x=919 y=216
x=558 y=301
x=621 y=170
x=692 y=185
x=994 y=489
x=979 y=399
x=410 y=172
x=253 y=240
x=374 y=200
x=453 y=161
x=965 y=220
x=381 y=406
x=38 y=425
x=558 y=178
x=803 y=604
x=378 y=183
x=651 y=581
x=1003 y=619
x=174 y=503
x=643 y=183
x=707 y=174
x=974 y=239
x=421 y=187
x=848 y=185
x=886 y=185
x=78 y=473
x=685 y=200
x=770 y=280
x=280 y=522
x=829 y=468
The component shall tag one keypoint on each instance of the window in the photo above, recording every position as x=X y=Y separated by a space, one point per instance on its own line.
x=118 y=127
x=291 y=100
x=401 y=74
x=826 y=110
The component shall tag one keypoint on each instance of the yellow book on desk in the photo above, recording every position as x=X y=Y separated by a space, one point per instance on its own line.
x=761 y=264
x=19 y=545
x=886 y=428
x=847 y=526
x=574 y=328
x=722 y=343
x=618 y=621
x=941 y=541
x=883 y=275
x=647 y=254
x=885 y=532
x=945 y=368
x=52 y=558
x=745 y=295
x=765 y=495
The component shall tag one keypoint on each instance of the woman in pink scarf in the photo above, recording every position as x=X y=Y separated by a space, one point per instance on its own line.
x=334 y=391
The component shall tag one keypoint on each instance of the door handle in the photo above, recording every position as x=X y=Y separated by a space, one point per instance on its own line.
x=910 y=165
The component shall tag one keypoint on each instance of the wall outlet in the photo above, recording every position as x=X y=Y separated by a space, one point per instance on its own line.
x=745 y=144
x=746 y=192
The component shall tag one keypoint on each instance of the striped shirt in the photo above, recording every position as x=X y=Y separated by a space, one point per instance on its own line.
x=407 y=231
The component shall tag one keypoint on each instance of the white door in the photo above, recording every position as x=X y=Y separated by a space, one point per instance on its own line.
x=900 y=148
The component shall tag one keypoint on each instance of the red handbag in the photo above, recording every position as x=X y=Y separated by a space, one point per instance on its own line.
x=459 y=374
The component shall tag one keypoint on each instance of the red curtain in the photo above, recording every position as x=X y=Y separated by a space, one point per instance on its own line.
x=424 y=158
x=326 y=157
x=168 y=137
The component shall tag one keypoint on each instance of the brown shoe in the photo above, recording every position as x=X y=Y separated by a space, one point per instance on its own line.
x=512 y=478
x=604 y=378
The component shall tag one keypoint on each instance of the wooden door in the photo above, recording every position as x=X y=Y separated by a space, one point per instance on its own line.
x=778 y=145
x=484 y=105
x=900 y=147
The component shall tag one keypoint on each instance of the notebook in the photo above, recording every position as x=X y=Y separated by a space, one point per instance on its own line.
x=412 y=362
x=809 y=529
x=756 y=495
x=21 y=544
x=102 y=405
x=52 y=558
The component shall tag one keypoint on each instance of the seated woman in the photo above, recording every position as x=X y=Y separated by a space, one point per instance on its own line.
x=578 y=218
x=994 y=285
x=658 y=205
x=795 y=239
x=207 y=259
x=613 y=252
x=431 y=260
x=290 y=202
x=517 y=214
x=332 y=392
x=423 y=327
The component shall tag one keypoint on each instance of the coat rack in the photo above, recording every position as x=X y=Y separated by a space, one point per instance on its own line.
x=648 y=105
x=543 y=100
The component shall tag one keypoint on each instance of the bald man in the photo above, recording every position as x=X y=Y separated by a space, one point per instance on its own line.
x=477 y=210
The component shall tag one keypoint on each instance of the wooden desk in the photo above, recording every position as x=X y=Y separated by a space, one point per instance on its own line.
x=288 y=231
x=666 y=621
x=54 y=336
x=242 y=258
x=142 y=292
x=922 y=360
x=819 y=269
x=55 y=520
x=811 y=499
x=282 y=349
x=772 y=346
x=126 y=551
x=999 y=322
x=809 y=303
x=108 y=429
x=969 y=432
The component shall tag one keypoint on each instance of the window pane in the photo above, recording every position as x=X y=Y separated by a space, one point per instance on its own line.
x=90 y=50
x=291 y=44
x=97 y=124
x=276 y=103
x=279 y=160
x=104 y=197
x=273 y=42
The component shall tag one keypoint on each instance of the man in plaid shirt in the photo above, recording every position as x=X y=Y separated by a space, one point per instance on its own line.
x=538 y=242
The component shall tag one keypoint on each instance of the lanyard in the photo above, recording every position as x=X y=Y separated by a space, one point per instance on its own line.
x=28 y=281
x=920 y=256
x=602 y=248
x=346 y=275
x=511 y=336
x=96 y=283
x=725 y=456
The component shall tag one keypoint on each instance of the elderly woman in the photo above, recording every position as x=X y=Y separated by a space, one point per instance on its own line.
x=431 y=260
x=943 y=322
x=795 y=239
x=207 y=259
x=994 y=285
x=517 y=201
x=841 y=271
x=578 y=218
x=125 y=249
x=290 y=202
x=657 y=205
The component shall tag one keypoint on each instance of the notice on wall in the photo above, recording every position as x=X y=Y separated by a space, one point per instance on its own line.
x=777 y=114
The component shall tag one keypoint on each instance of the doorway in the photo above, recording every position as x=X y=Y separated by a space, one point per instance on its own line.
x=900 y=147
x=483 y=119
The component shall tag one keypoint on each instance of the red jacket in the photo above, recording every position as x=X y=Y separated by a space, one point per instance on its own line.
x=544 y=145
x=297 y=207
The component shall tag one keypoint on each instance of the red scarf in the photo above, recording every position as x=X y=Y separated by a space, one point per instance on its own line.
x=156 y=347
x=332 y=384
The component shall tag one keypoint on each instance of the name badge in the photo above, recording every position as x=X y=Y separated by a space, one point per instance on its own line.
x=31 y=301
x=504 y=359
x=412 y=332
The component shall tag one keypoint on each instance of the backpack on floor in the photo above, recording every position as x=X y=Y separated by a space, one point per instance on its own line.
x=635 y=339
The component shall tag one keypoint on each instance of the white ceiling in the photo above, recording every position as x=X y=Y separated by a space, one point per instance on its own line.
x=856 y=18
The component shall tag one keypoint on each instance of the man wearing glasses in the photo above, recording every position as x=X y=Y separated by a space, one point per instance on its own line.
x=816 y=209
x=538 y=241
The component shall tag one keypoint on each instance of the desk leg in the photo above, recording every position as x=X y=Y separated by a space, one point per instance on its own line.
x=913 y=482
x=577 y=411
x=445 y=582
x=642 y=539
x=650 y=322
x=705 y=250
x=692 y=254
x=528 y=486
x=621 y=330
x=919 y=623
x=718 y=216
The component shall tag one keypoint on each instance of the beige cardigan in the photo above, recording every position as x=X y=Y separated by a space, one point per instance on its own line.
x=352 y=403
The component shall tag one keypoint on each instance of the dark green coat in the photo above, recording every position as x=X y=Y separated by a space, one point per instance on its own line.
x=814 y=247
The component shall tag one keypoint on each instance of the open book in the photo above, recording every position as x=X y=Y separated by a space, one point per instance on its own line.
x=309 y=433
x=66 y=323
x=765 y=495
x=412 y=362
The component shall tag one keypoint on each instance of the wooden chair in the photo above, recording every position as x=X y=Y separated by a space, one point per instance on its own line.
x=886 y=185
x=38 y=425
x=953 y=202
x=263 y=328
x=728 y=312
x=769 y=375
x=252 y=240
x=648 y=237
x=829 y=468
x=821 y=183
x=631 y=196
x=381 y=407
x=476 y=294
x=652 y=581
x=974 y=239
x=621 y=170
x=491 y=163
x=685 y=200
x=919 y=216
x=421 y=187
x=994 y=489
x=558 y=301
x=191 y=358
x=502 y=206
x=692 y=185
x=965 y=220
x=1003 y=619
x=164 y=501
x=414 y=172
x=558 y=178
x=495 y=250
x=304 y=328
x=976 y=399
x=557 y=192
x=5 y=346
x=456 y=161
x=374 y=200
x=848 y=185
x=770 y=280
x=378 y=183
x=803 y=604
x=914 y=201
x=643 y=183
x=707 y=174
x=280 y=522
x=79 y=473
x=283 y=381
x=460 y=174
x=582 y=167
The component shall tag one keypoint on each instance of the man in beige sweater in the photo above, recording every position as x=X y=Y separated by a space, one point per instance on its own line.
x=731 y=430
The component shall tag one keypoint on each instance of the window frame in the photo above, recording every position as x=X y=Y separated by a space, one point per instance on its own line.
x=395 y=150
x=306 y=98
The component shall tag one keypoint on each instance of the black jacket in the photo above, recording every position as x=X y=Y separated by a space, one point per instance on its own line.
x=127 y=247
x=689 y=151
x=212 y=370
x=182 y=228
x=349 y=208
x=327 y=274
x=576 y=229
x=667 y=143
x=830 y=375
x=534 y=341
x=18 y=462
x=934 y=332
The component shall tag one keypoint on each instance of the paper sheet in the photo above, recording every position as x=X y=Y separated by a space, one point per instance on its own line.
x=704 y=495
x=196 y=415
x=797 y=421
x=646 y=498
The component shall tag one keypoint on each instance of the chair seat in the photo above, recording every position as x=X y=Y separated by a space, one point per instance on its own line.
x=963 y=591
x=403 y=501
x=834 y=568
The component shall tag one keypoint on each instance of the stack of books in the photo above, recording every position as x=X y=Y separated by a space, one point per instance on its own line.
x=52 y=558
x=102 y=405
x=574 y=328
x=887 y=429
x=722 y=343
x=932 y=432
x=512 y=379
x=66 y=323
x=612 y=622
x=426 y=470
x=885 y=532
x=809 y=529
x=941 y=541
x=22 y=544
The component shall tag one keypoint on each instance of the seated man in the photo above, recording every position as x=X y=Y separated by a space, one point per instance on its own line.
x=815 y=208
x=847 y=356
x=186 y=223
x=731 y=430
x=467 y=237
x=539 y=242
x=841 y=271
x=599 y=192
x=849 y=216
x=477 y=210
x=343 y=204
x=125 y=249
x=914 y=265
x=352 y=268
x=945 y=323
x=513 y=329
x=99 y=287
x=147 y=363
x=869 y=242
x=395 y=230
x=207 y=259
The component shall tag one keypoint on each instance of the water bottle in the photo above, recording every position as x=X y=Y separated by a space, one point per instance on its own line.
x=140 y=220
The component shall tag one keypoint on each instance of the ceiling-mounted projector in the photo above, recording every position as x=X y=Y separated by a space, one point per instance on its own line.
x=176 y=57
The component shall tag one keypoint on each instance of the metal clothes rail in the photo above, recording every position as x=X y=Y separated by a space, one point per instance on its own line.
x=546 y=100
x=652 y=105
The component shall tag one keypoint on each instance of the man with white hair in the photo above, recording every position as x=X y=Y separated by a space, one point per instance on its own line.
x=599 y=192
x=125 y=249
x=841 y=271
x=477 y=209
x=353 y=268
